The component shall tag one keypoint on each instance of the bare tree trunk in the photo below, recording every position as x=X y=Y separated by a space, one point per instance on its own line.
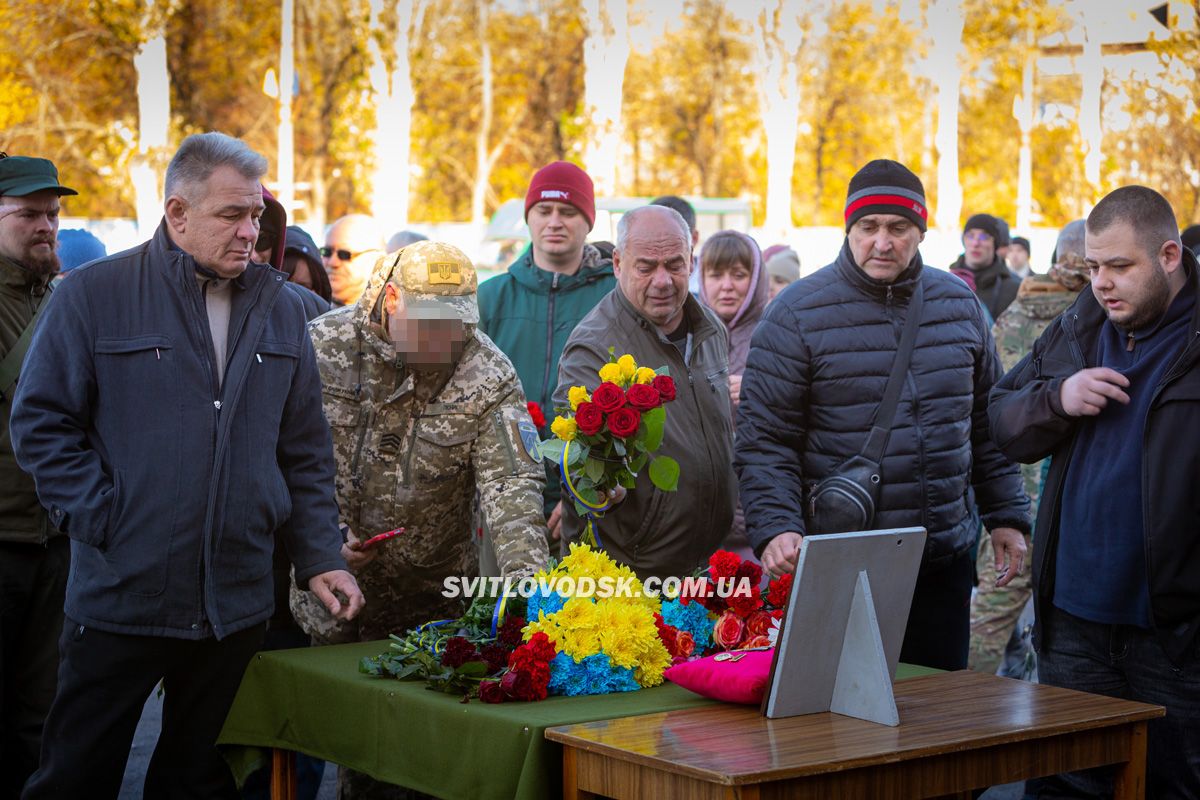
x=319 y=195
x=154 y=121
x=779 y=38
x=945 y=30
x=1023 y=110
x=483 y=165
x=605 y=54
x=285 y=164
x=392 y=138
x=1091 y=73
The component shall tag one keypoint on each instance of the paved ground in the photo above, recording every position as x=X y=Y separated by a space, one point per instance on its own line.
x=143 y=745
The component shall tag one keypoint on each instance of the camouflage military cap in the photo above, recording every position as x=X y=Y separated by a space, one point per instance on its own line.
x=437 y=273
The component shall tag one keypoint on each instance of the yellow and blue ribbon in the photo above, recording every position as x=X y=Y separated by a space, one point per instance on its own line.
x=593 y=509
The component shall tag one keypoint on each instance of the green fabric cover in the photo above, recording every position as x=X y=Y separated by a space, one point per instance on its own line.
x=314 y=700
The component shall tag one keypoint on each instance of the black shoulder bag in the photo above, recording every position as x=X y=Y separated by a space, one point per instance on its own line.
x=846 y=500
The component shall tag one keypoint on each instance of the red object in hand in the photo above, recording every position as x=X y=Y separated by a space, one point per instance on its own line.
x=589 y=418
x=609 y=397
x=535 y=413
x=643 y=397
x=666 y=387
x=624 y=422
x=383 y=537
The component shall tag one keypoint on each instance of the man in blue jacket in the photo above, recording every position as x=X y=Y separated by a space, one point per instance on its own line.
x=170 y=415
x=818 y=365
x=1111 y=392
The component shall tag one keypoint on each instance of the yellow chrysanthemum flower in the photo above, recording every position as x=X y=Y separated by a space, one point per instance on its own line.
x=564 y=428
x=577 y=395
x=610 y=373
x=644 y=375
x=628 y=368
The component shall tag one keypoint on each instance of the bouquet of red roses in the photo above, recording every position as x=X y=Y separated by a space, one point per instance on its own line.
x=610 y=433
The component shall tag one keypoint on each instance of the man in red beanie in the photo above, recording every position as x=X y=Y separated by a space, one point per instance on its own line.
x=531 y=310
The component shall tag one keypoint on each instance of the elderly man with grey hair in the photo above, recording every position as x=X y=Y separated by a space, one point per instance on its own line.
x=170 y=415
x=651 y=315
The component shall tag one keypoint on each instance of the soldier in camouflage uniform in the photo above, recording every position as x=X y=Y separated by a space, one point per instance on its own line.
x=1041 y=298
x=424 y=410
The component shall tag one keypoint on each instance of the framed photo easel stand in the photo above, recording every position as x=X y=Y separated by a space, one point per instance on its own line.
x=840 y=640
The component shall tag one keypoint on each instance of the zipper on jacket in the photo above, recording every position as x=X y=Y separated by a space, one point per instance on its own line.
x=356 y=478
x=546 y=390
x=912 y=387
x=498 y=418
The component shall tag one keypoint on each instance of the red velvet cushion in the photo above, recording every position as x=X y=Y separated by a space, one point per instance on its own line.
x=741 y=681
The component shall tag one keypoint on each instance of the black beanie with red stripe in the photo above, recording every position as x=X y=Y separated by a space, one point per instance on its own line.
x=886 y=187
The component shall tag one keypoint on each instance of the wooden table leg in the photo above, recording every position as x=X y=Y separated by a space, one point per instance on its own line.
x=571 y=790
x=1130 y=780
x=283 y=774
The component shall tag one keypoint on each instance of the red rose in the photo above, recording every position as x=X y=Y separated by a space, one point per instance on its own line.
x=624 y=422
x=541 y=647
x=643 y=397
x=724 y=564
x=609 y=397
x=589 y=418
x=535 y=413
x=490 y=692
x=669 y=638
x=758 y=623
x=685 y=645
x=761 y=640
x=728 y=630
x=665 y=386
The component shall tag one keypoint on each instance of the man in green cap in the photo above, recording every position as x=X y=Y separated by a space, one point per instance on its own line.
x=34 y=556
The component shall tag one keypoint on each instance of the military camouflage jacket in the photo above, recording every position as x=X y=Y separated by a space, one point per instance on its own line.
x=412 y=448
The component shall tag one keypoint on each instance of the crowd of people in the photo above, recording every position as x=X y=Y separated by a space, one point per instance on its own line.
x=201 y=434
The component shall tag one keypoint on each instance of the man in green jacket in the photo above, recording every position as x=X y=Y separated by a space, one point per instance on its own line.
x=531 y=310
x=34 y=556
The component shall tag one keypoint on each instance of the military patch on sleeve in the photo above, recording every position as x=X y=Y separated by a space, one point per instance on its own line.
x=527 y=435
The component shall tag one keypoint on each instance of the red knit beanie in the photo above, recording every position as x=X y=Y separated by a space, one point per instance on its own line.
x=563 y=182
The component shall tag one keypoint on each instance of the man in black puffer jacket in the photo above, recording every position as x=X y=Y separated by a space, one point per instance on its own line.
x=817 y=369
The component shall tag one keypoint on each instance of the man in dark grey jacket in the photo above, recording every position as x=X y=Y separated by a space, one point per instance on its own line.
x=170 y=414
x=651 y=315
x=818 y=365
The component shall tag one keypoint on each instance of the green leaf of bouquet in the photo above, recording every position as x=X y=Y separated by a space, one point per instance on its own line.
x=655 y=421
x=578 y=453
x=618 y=447
x=664 y=473
x=594 y=469
x=663 y=370
x=579 y=509
x=627 y=480
x=591 y=495
x=552 y=449
x=637 y=462
x=472 y=669
x=369 y=665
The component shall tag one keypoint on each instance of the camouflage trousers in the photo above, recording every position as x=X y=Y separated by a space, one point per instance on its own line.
x=995 y=610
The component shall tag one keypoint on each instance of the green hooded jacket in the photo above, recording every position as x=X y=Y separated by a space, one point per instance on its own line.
x=22 y=518
x=530 y=312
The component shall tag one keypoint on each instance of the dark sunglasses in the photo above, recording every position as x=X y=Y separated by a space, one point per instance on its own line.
x=344 y=255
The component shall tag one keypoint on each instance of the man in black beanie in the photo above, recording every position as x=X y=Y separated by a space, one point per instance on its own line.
x=818 y=365
x=995 y=284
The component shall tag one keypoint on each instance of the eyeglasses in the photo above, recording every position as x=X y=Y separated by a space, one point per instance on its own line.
x=343 y=255
x=977 y=236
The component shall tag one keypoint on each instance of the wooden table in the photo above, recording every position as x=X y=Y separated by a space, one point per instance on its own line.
x=958 y=731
